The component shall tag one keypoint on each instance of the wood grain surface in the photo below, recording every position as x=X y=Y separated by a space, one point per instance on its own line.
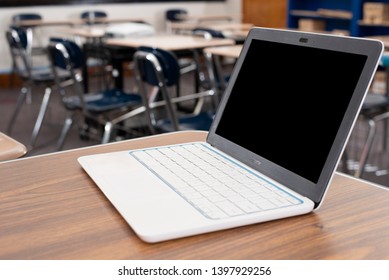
x=51 y=209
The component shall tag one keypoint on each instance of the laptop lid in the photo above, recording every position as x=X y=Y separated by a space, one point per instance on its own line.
x=291 y=103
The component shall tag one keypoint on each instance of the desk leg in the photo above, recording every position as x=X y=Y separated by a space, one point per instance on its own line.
x=119 y=75
x=209 y=58
x=85 y=77
x=197 y=71
x=118 y=56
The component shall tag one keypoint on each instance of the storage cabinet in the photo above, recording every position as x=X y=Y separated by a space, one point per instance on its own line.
x=341 y=16
x=265 y=13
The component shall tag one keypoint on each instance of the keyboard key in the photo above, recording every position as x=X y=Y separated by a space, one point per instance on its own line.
x=215 y=186
x=229 y=208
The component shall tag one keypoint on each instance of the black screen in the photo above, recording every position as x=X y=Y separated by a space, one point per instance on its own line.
x=287 y=103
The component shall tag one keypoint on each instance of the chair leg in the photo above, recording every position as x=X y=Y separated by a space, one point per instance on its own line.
x=107 y=133
x=369 y=142
x=384 y=144
x=65 y=130
x=344 y=159
x=22 y=97
x=41 y=116
x=366 y=148
x=212 y=74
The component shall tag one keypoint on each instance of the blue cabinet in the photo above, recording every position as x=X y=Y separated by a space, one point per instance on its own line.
x=340 y=15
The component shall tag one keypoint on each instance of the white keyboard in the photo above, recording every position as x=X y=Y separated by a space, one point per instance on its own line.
x=216 y=186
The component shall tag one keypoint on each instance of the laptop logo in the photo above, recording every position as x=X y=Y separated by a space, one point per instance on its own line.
x=303 y=40
x=256 y=162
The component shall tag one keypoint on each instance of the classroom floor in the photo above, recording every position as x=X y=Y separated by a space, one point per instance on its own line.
x=376 y=171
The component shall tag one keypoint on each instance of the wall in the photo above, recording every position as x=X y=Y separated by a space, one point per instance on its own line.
x=151 y=12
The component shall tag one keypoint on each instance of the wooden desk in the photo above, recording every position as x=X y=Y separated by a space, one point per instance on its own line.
x=189 y=26
x=231 y=30
x=216 y=17
x=88 y=32
x=10 y=148
x=171 y=42
x=226 y=51
x=42 y=23
x=98 y=31
x=231 y=26
x=107 y=20
x=73 y=22
x=50 y=209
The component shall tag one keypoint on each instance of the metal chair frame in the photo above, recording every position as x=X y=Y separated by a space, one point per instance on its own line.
x=80 y=103
x=31 y=77
x=162 y=83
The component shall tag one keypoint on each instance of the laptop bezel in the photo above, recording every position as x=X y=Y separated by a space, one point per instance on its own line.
x=314 y=191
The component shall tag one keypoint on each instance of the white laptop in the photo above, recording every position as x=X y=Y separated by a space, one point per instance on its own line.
x=272 y=150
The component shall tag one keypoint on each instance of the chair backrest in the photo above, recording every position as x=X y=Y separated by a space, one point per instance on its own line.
x=207 y=33
x=91 y=16
x=31 y=32
x=25 y=16
x=175 y=15
x=70 y=57
x=18 y=44
x=170 y=68
x=17 y=37
x=160 y=68
x=66 y=55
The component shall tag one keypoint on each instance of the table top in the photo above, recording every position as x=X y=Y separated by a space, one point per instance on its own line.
x=99 y=30
x=73 y=21
x=41 y=22
x=232 y=26
x=85 y=31
x=51 y=209
x=171 y=42
x=228 y=26
x=213 y=17
x=226 y=51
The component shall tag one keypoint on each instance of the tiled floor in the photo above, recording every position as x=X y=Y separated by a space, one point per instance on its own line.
x=376 y=171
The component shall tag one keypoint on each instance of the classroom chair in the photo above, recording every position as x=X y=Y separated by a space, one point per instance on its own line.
x=32 y=78
x=158 y=68
x=101 y=108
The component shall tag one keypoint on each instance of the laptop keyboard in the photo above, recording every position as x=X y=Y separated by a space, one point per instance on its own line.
x=216 y=186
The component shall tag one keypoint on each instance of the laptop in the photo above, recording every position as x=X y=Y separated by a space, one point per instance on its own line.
x=280 y=128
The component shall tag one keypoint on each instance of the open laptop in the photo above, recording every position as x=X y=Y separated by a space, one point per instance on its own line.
x=282 y=125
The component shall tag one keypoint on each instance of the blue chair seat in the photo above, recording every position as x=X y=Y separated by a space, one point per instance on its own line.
x=104 y=101
x=38 y=74
x=202 y=121
x=374 y=102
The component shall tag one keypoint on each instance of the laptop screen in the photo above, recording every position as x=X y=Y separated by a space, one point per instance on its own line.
x=291 y=103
